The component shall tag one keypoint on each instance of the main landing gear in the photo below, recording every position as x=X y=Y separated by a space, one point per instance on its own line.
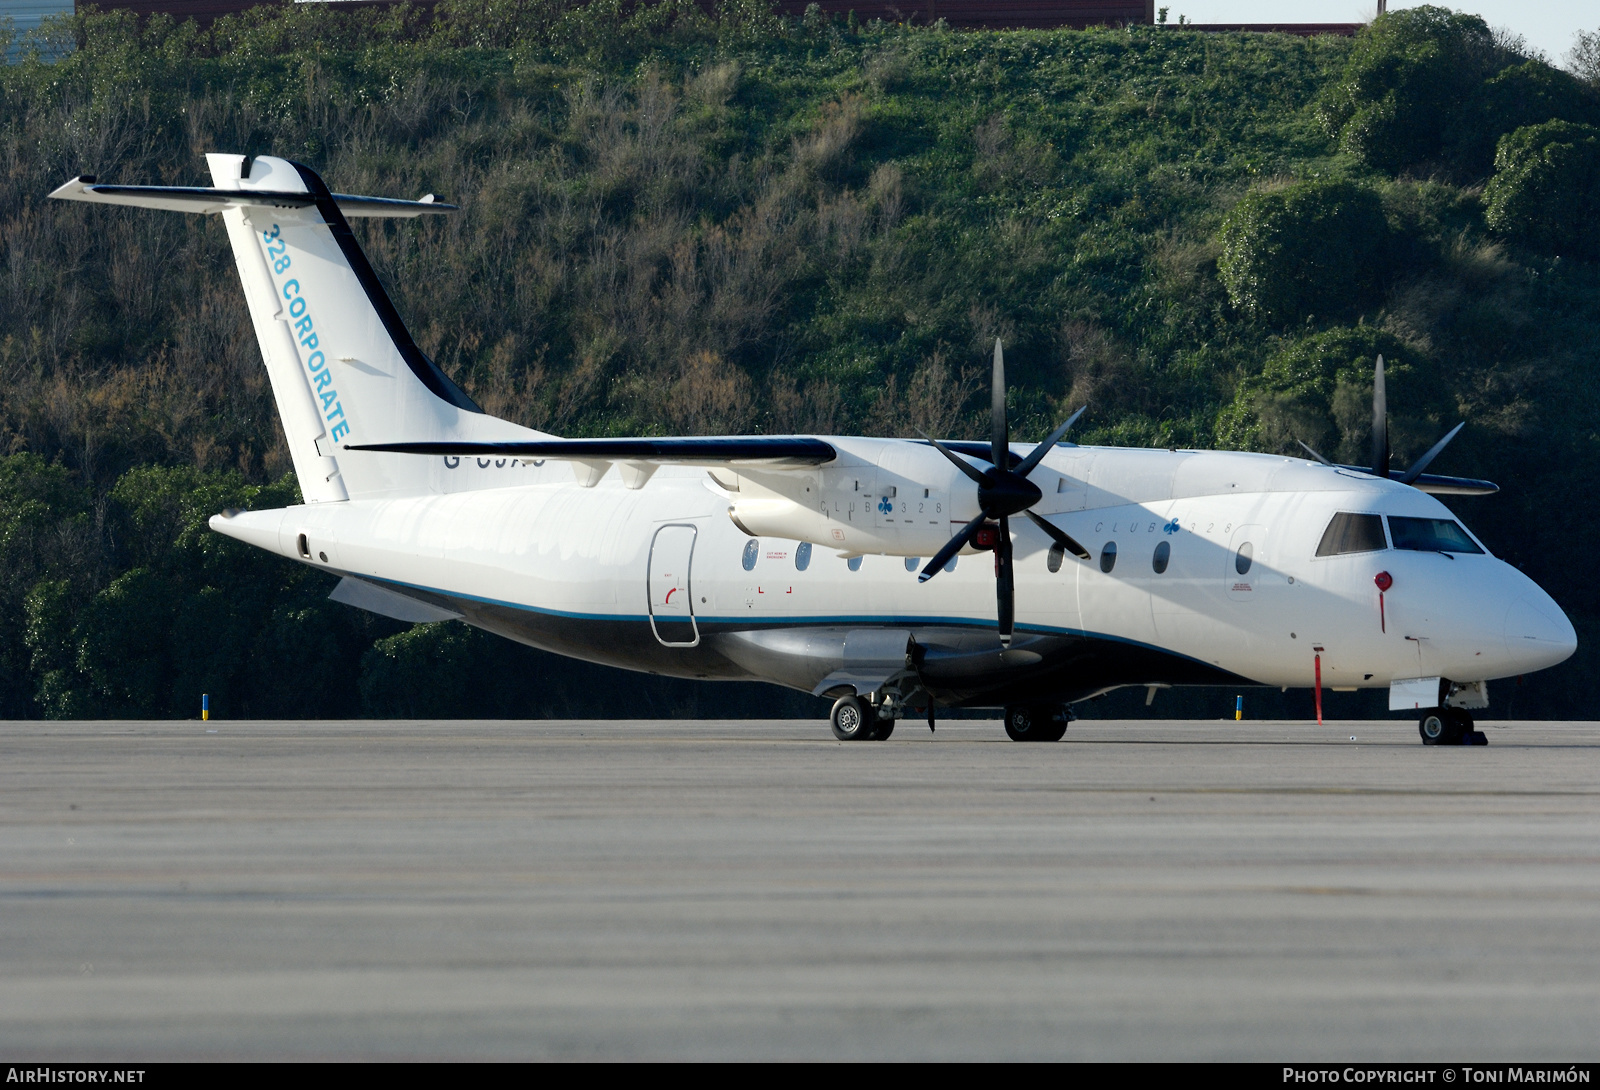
x=857 y=719
x=1449 y=727
x=1042 y=723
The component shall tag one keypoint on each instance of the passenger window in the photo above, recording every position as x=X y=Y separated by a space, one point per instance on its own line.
x=1351 y=533
x=1244 y=558
x=854 y=563
x=913 y=562
x=1057 y=554
x=1430 y=535
x=752 y=549
x=1108 y=557
x=802 y=556
x=950 y=565
x=1163 y=555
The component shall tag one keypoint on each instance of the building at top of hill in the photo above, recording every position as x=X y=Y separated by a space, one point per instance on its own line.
x=959 y=14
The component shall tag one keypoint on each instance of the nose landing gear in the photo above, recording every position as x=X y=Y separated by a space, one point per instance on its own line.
x=1449 y=727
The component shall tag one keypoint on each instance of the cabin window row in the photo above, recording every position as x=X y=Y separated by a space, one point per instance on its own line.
x=1354 y=532
x=802 y=558
x=1160 y=558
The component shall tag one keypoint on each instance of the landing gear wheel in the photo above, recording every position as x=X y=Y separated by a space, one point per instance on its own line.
x=1053 y=729
x=1020 y=724
x=1445 y=727
x=852 y=719
x=884 y=729
x=1034 y=724
x=1469 y=735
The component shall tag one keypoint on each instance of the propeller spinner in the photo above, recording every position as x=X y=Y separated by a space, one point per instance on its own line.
x=1002 y=492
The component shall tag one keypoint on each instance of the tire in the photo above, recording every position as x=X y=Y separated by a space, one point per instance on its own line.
x=1023 y=724
x=852 y=719
x=884 y=729
x=1027 y=723
x=1443 y=726
x=1053 y=729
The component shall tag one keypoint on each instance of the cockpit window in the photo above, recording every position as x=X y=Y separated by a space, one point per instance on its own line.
x=1352 y=533
x=1430 y=535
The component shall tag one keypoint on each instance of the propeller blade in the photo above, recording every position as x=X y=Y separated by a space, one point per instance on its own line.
x=1059 y=536
x=1005 y=586
x=1380 y=423
x=1314 y=454
x=1025 y=467
x=951 y=548
x=1433 y=452
x=999 y=434
x=960 y=463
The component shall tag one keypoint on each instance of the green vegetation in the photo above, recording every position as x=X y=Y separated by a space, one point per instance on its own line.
x=1309 y=249
x=1544 y=190
x=682 y=223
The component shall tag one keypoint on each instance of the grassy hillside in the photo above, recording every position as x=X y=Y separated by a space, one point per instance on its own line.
x=681 y=224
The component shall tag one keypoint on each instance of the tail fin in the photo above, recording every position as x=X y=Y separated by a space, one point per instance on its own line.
x=344 y=369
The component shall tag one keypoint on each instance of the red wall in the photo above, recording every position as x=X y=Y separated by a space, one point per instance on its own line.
x=958 y=13
x=968 y=14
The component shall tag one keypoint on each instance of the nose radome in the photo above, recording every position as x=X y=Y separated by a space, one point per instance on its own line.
x=1538 y=629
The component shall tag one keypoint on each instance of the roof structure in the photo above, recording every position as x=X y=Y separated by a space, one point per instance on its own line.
x=960 y=14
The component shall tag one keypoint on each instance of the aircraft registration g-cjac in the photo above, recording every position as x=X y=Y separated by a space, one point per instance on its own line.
x=845 y=567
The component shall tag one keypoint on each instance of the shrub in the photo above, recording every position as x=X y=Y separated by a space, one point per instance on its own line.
x=1311 y=248
x=1403 y=83
x=1546 y=188
x=1526 y=94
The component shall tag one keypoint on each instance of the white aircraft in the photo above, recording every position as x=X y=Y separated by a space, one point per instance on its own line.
x=799 y=559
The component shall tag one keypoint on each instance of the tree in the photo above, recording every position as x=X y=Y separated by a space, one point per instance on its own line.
x=1312 y=248
x=1584 y=57
x=45 y=527
x=1546 y=189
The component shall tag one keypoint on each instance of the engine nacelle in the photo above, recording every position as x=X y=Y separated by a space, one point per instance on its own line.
x=888 y=496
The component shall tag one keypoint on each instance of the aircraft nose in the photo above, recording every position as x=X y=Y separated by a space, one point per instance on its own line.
x=1537 y=631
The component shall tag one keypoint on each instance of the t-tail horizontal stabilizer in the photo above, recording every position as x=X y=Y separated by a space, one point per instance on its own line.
x=343 y=367
x=180 y=198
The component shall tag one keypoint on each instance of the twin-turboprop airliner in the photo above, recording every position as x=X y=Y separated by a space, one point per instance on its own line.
x=892 y=576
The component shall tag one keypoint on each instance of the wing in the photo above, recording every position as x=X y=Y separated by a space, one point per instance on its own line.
x=775 y=451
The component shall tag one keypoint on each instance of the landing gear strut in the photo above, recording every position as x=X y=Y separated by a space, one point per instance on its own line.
x=1449 y=727
x=1041 y=723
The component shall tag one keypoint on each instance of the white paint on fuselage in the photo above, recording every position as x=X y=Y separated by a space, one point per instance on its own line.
x=545 y=543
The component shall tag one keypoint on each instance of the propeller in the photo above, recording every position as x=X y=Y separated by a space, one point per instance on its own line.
x=1002 y=492
x=1380 y=466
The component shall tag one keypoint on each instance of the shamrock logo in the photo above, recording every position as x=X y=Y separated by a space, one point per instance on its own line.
x=885 y=506
x=1171 y=527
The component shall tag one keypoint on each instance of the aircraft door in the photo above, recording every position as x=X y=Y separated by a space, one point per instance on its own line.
x=1246 y=562
x=671 y=597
